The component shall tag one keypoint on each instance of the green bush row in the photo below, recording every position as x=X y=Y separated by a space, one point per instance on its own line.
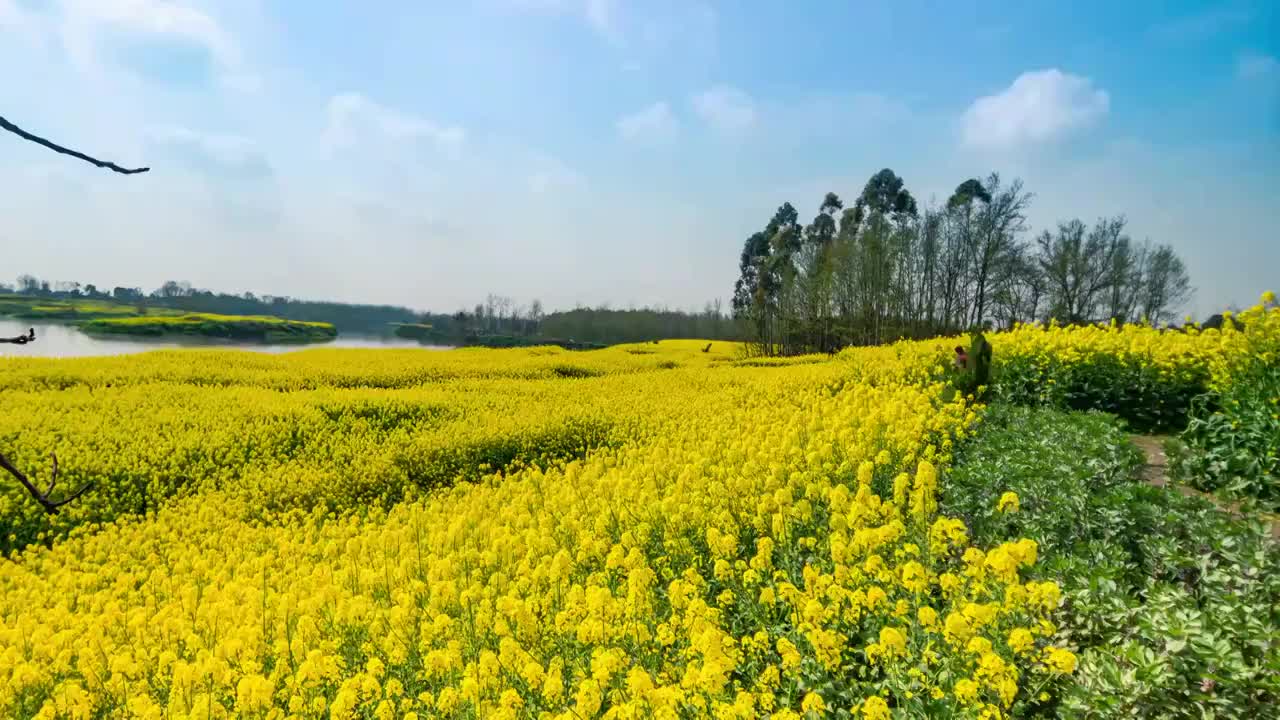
x=1232 y=442
x=1173 y=606
x=1146 y=396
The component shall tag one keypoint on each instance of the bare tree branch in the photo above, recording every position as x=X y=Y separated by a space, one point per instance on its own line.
x=67 y=151
x=50 y=506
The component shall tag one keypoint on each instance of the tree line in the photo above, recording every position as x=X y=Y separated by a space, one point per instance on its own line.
x=497 y=317
x=884 y=269
x=347 y=318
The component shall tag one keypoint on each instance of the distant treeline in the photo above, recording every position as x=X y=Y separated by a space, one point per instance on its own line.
x=604 y=325
x=355 y=319
x=885 y=269
x=498 y=321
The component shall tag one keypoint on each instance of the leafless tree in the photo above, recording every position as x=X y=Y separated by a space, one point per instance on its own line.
x=999 y=223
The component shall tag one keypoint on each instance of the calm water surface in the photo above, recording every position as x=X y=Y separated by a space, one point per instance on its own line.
x=59 y=340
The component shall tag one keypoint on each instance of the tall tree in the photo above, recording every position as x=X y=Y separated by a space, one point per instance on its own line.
x=969 y=199
x=885 y=209
x=886 y=193
x=882 y=269
x=1079 y=265
x=1166 y=286
x=1127 y=260
x=931 y=230
x=1000 y=222
x=752 y=265
x=1018 y=287
x=28 y=284
x=815 y=265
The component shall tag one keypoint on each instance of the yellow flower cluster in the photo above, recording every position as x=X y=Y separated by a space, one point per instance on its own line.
x=1177 y=355
x=177 y=423
x=349 y=368
x=1147 y=376
x=1257 y=341
x=749 y=541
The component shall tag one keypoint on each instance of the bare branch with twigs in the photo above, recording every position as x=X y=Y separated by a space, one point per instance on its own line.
x=45 y=499
x=68 y=151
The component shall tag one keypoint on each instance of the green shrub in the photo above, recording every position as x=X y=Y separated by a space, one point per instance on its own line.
x=1232 y=441
x=1173 y=605
x=1236 y=448
x=1146 y=396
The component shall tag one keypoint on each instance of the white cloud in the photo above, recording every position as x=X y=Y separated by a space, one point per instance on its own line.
x=725 y=108
x=1254 y=66
x=90 y=30
x=352 y=115
x=159 y=17
x=1039 y=106
x=655 y=123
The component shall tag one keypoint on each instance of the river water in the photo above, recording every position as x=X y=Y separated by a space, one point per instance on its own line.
x=60 y=340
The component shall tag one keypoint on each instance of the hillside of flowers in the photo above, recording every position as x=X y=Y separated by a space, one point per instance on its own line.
x=648 y=531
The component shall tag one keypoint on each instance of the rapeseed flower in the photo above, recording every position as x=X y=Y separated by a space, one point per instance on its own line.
x=355 y=534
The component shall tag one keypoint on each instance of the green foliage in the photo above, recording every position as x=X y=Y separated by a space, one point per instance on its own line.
x=1235 y=449
x=42 y=308
x=1146 y=396
x=892 y=270
x=602 y=325
x=178 y=299
x=251 y=328
x=1174 y=605
x=966 y=192
x=1232 y=441
x=1055 y=470
x=413 y=331
x=347 y=318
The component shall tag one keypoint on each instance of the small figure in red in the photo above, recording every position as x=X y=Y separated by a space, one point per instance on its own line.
x=962 y=358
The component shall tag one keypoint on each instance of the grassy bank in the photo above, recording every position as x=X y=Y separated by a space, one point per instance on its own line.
x=231 y=327
x=27 y=307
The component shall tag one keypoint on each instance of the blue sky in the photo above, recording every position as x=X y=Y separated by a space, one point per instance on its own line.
x=584 y=151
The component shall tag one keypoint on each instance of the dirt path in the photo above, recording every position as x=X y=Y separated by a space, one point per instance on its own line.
x=1156 y=469
x=1155 y=472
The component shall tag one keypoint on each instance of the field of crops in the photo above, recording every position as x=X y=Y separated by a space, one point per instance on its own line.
x=644 y=531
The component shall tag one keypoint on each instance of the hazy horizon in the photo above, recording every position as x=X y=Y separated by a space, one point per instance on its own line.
x=597 y=151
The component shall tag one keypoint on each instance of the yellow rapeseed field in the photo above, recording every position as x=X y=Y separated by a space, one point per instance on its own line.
x=649 y=531
x=1173 y=354
x=308 y=429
